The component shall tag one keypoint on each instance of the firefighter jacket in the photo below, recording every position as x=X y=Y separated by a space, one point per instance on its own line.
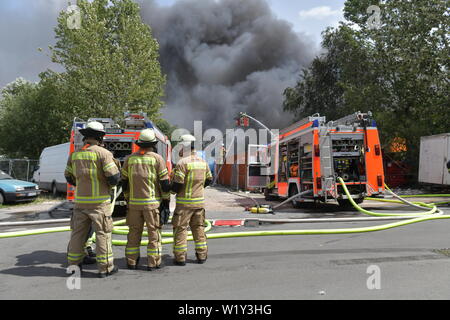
x=191 y=172
x=143 y=171
x=90 y=168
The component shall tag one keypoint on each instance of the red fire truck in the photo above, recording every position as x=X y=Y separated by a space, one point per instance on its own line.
x=311 y=154
x=120 y=141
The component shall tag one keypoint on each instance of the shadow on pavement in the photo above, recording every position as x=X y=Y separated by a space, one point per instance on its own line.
x=45 y=271
x=33 y=264
x=36 y=271
x=42 y=257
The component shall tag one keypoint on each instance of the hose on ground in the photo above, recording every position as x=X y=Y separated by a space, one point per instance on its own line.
x=432 y=213
x=433 y=210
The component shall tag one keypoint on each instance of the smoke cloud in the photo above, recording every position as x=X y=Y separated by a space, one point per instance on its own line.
x=226 y=56
x=220 y=56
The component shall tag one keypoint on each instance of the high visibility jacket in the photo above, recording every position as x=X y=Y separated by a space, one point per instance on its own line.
x=143 y=171
x=191 y=172
x=90 y=168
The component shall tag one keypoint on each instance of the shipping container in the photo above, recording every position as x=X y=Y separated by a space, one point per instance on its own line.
x=434 y=155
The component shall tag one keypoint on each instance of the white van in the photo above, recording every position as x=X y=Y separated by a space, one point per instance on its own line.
x=49 y=175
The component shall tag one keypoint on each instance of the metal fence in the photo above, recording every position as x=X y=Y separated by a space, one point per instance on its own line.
x=21 y=169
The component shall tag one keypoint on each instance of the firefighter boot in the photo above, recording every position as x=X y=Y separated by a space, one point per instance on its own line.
x=109 y=273
x=90 y=257
x=179 y=263
x=90 y=252
x=89 y=260
x=153 y=268
x=133 y=266
x=200 y=261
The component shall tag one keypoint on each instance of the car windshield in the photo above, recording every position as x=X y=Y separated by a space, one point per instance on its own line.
x=4 y=176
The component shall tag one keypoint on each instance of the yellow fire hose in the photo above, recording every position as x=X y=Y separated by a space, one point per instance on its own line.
x=431 y=213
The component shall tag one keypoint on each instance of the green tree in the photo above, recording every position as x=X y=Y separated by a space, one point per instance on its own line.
x=333 y=83
x=410 y=59
x=398 y=70
x=111 y=61
x=31 y=119
x=111 y=66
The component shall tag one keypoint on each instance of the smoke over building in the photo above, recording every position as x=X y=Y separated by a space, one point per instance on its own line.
x=220 y=56
x=225 y=56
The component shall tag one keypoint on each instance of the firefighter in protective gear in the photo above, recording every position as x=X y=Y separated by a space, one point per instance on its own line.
x=94 y=172
x=146 y=181
x=191 y=176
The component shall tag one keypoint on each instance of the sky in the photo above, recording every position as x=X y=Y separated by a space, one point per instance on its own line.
x=308 y=16
x=26 y=25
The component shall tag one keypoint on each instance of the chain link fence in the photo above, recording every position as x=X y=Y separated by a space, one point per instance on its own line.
x=21 y=169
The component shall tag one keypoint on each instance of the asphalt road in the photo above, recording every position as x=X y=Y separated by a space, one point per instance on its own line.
x=289 y=267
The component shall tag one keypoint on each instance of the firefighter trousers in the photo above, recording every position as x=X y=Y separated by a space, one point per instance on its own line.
x=195 y=219
x=102 y=222
x=89 y=242
x=135 y=221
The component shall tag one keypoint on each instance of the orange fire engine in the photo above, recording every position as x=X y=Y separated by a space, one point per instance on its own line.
x=121 y=142
x=311 y=154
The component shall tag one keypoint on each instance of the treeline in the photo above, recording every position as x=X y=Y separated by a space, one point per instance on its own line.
x=396 y=66
x=111 y=66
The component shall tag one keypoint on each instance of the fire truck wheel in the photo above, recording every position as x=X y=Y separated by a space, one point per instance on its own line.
x=346 y=204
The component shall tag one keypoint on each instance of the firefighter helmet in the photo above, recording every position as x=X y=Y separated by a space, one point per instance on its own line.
x=187 y=140
x=147 y=138
x=93 y=129
x=147 y=135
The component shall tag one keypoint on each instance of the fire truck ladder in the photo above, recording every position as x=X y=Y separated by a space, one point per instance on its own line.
x=349 y=120
x=326 y=162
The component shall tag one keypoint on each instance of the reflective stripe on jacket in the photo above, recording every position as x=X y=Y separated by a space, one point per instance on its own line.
x=143 y=172
x=90 y=168
x=192 y=172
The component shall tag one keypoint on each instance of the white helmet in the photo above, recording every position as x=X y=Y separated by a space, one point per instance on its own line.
x=147 y=136
x=93 y=128
x=187 y=140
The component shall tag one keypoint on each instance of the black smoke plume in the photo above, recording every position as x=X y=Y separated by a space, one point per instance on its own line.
x=225 y=56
